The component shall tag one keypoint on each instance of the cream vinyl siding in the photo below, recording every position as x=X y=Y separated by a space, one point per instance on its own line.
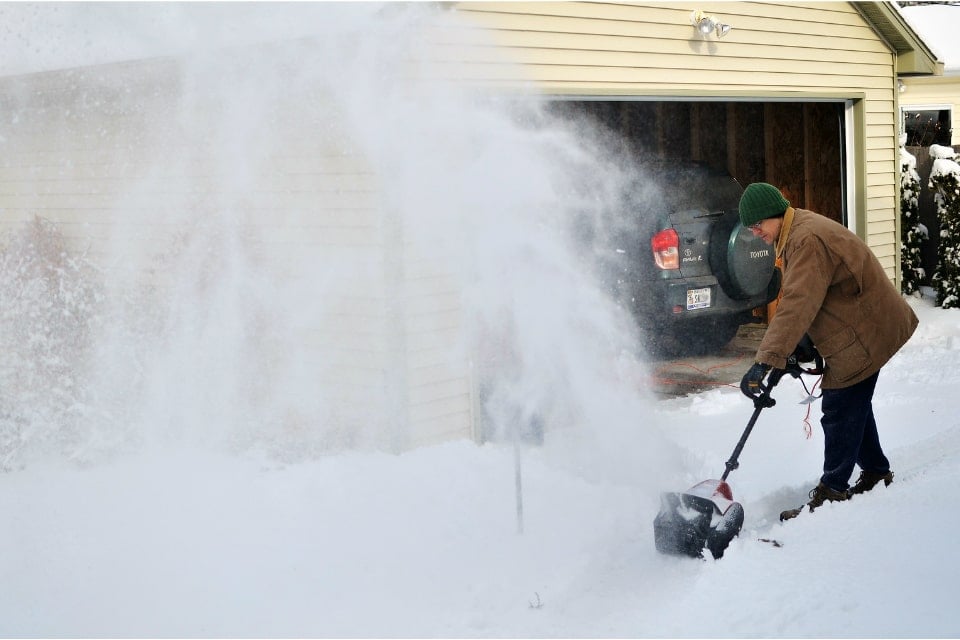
x=795 y=51
x=128 y=168
x=438 y=381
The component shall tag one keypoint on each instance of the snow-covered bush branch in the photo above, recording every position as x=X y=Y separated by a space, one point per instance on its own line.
x=945 y=181
x=912 y=233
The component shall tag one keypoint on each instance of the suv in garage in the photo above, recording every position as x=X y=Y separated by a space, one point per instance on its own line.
x=687 y=269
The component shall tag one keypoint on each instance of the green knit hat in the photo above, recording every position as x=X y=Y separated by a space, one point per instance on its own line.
x=761 y=201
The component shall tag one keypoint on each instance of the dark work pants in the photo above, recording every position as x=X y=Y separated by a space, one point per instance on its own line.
x=850 y=434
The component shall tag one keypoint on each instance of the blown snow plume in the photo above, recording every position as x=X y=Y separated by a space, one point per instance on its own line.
x=224 y=325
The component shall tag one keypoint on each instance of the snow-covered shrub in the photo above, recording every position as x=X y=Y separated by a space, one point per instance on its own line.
x=912 y=233
x=49 y=302
x=945 y=180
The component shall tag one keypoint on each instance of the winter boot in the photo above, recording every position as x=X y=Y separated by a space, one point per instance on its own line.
x=869 y=479
x=818 y=495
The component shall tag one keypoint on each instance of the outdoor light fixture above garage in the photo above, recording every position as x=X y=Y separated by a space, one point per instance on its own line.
x=707 y=24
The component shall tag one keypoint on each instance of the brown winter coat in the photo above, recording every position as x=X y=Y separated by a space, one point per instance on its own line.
x=835 y=290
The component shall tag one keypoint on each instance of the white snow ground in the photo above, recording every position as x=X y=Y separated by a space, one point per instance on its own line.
x=191 y=543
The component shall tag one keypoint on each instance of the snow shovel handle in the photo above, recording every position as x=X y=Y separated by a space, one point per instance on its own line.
x=760 y=403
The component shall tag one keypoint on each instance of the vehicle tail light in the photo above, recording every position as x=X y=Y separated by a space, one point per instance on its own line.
x=666 y=249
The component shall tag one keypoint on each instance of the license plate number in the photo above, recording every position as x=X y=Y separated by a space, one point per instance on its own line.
x=698 y=298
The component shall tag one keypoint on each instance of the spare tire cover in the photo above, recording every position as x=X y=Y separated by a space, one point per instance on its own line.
x=742 y=262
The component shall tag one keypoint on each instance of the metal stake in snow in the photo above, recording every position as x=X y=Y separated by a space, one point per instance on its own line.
x=518 y=476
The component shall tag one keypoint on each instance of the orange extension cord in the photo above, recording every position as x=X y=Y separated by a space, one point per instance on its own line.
x=659 y=378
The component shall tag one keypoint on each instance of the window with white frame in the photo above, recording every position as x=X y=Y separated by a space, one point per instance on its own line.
x=927 y=124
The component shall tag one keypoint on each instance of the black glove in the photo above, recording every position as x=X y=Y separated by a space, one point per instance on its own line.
x=805 y=351
x=752 y=382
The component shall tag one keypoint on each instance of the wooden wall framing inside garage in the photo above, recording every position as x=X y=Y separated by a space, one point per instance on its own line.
x=801 y=150
x=796 y=146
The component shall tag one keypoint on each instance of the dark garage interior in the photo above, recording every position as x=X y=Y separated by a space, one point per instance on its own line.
x=797 y=146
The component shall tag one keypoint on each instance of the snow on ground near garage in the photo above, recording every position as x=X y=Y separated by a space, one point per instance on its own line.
x=185 y=542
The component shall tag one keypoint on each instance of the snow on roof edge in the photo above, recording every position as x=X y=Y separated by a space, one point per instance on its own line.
x=935 y=24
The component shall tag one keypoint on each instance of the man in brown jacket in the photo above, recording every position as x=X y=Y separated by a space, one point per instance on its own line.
x=836 y=291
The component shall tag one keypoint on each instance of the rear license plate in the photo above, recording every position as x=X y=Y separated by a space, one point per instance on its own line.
x=698 y=298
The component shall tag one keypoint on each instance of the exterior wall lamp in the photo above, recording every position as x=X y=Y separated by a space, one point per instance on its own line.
x=707 y=24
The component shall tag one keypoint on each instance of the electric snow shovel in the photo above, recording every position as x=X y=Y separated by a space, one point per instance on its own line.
x=706 y=515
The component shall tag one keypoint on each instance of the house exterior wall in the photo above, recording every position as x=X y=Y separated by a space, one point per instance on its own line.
x=652 y=50
x=125 y=165
x=164 y=185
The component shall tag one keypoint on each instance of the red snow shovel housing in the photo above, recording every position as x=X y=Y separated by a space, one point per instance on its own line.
x=706 y=515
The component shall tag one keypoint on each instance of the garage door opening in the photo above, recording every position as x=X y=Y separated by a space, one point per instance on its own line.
x=798 y=146
x=686 y=306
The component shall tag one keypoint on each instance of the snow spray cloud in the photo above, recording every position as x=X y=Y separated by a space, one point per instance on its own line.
x=206 y=317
